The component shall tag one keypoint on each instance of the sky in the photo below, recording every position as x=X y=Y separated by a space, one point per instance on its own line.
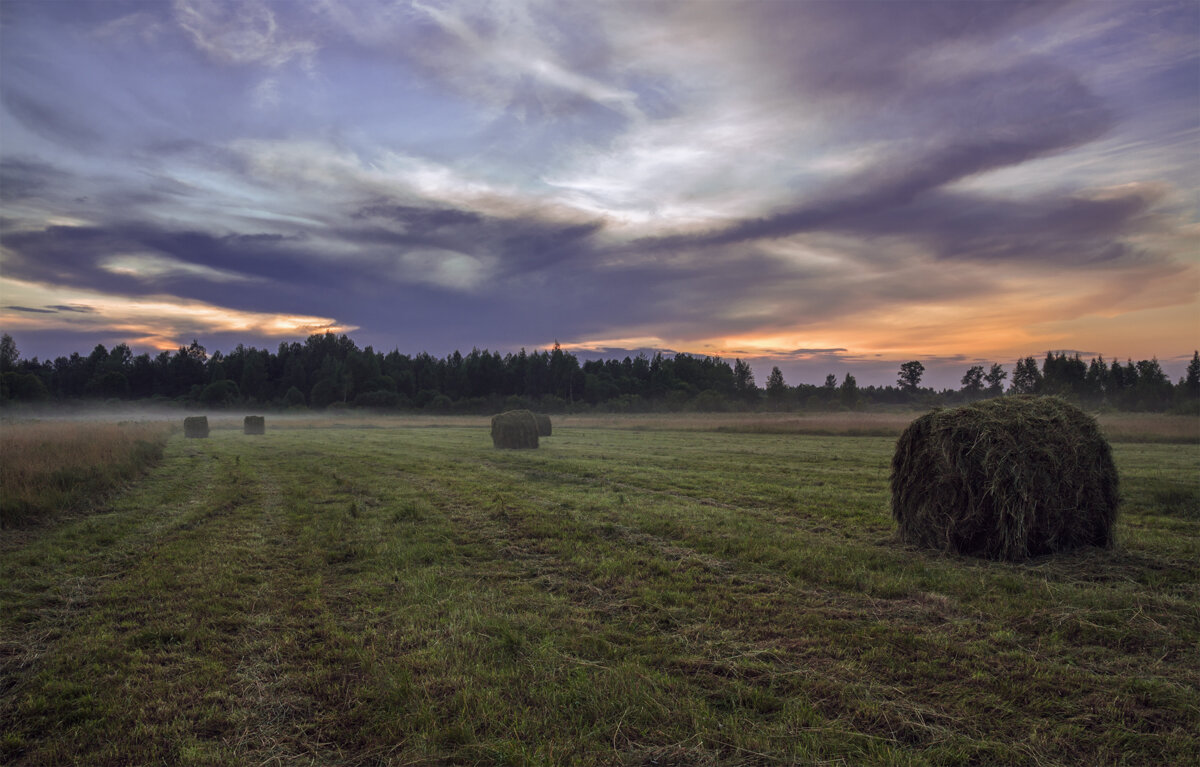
x=826 y=187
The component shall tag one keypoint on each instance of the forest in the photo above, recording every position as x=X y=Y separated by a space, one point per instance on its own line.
x=331 y=371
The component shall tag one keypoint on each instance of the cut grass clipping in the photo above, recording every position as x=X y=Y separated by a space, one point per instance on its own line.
x=1008 y=478
x=515 y=430
x=195 y=426
x=543 y=424
x=254 y=424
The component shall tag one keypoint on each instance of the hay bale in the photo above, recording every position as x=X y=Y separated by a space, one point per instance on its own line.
x=1007 y=478
x=515 y=430
x=195 y=426
x=254 y=424
x=543 y=424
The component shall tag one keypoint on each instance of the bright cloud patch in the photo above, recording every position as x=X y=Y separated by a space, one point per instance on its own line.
x=162 y=322
x=149 y=265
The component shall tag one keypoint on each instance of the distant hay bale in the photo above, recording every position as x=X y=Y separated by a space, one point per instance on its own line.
x=515 y=430
x=195 y=426
x=543 y=424
x=1008 y=478
x=254 y=424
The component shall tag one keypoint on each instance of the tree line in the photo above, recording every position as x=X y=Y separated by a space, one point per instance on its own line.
x=331 y=371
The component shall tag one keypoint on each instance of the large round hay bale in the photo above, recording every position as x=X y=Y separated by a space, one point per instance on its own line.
x=543 y=424
x=195 y=426
x=254 y=424
x=515 y=430
x=1007 y=478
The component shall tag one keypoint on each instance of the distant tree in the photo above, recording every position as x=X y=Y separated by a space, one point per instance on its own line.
x=1027 y=379
x=831 y=381
x=8 y=354
x=909 y=378
x=777 y=388
x=1096 y=378
x=195 y=351
x=563 y=367
x=219 y=393
x=323 y=393
x=377 y=399
x=1154 y=388
x=743 y=380
x=22 y=386
x=108 y=384
x=141 y=377
x=1191 y=382
x=216 y=367
x=1116 y=384
x=254 y=376
x=849 y=393
x=972 y=381
x=186 y=370
x=995 y=379
x=120 y=358
x=294 y=397
x=1063 y=375
x=96 y=362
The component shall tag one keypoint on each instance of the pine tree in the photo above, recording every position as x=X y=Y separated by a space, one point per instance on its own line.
x=1191 y=383
x=849 y=391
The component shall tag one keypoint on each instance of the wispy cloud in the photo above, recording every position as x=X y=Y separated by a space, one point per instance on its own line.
x=240 y=32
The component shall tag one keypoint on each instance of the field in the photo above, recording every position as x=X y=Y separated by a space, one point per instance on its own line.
x=638 y=591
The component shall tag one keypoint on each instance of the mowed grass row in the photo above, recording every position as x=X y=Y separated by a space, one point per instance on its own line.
x=412 y=596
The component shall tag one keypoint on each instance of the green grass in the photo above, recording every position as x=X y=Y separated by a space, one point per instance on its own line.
x=412 y=596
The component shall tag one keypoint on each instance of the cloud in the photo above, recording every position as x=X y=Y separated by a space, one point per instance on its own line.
x=138 y=259
x=239 y=32
x=154 y=267
x=1090 y=228
x=1018 y=115
x=768 y=178
x=23 y=178
x=499 y=54
x=45 y=118
x=162 y=321
x=54 y=309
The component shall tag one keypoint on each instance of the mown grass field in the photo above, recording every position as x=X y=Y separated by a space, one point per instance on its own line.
x=628 y=594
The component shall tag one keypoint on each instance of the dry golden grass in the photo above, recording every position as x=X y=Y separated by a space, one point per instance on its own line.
x=49 y=466
x=874 y=423
x=1117 y=427
x=1150 y=427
